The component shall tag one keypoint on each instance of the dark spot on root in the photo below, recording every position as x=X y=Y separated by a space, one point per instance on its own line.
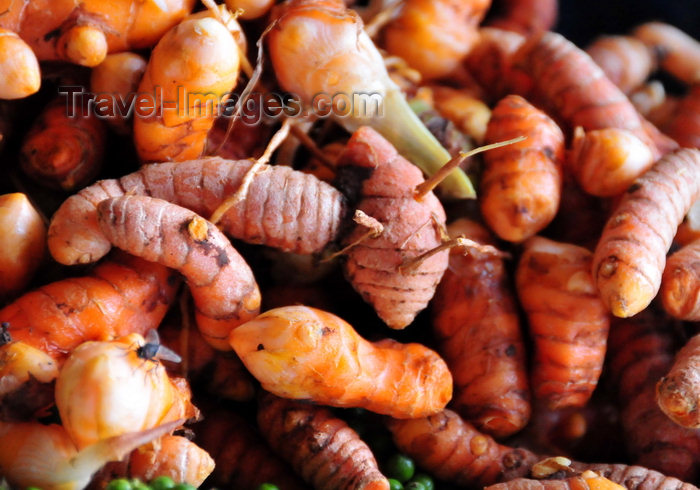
x=222 y=259
x=52 y=34
x=660 y=52
x=318 y=442
x=634 y=187
x=558 y=475
x=349 y=180
x=325 y=331
x=66 y=308
x=511 y=350
x=260 y=347
x=513 y=459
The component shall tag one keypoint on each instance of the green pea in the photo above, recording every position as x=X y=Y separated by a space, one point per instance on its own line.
x=414 y=485
x=184 y=486
x=424 y=480
x=400 y=467
x=395 y=484
x=28 y=488
x=119 y=484
x=139 y=485
x=162 y=483
x=268 y=486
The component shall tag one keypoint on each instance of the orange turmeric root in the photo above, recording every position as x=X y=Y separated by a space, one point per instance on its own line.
x=489 y=61
x=689 y=229
x=173 y=456
x=243 y=459
x=222 y=285
x=625 y=60
x=640 y=353
x=434 y=36
x=684 y=125
x=22 y=243
x=283 y=208
x=19 y=66
x=526 y=17
x=649 y=99
x=85 y=32
x=411 y=228
x=322 y=448
x=44 y=456
x=467 y=111
x=64 y=151
x=630 y=257
x=588 y=480
x=454 y=451
x=521 y=183
x=476 y=321
x=677 y=52
x=635 y=477
x=568 y=321
x=119 y=296
x=606 y=161
x=680 y=283
x=117 y=76
x=196 y=64
x=677 y=393
x=567 y=82
x=109 y=388
x=307 y=354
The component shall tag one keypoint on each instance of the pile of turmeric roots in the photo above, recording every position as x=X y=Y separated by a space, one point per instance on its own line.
x=243 y=244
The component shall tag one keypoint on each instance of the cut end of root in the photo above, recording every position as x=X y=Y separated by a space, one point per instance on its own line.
x=678 y=292
x=679 y=406
x=623 y=289
x=363 y=219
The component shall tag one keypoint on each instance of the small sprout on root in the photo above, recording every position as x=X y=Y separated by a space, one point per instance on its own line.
x=382 y=18
x=310 y=145
x=432 y=182
x=417 y=230
x=470 y=247
x=213 y=8
x=242 y=191
x=362 y=219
